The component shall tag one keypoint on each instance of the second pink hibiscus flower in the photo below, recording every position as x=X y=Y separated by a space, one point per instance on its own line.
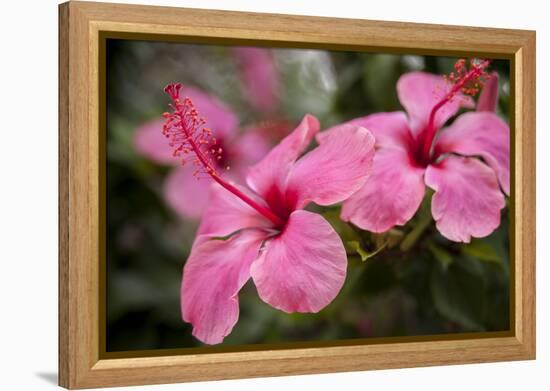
x=466 y=164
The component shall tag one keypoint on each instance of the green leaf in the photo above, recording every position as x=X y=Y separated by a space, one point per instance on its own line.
x=390 y=238
x=309 y=83
x=355 y=245
x=420 y=223
x=459 y=293
x=481 y=250
x=441 y=255
x=379 y=74
x=343 y=229
x=412 y=237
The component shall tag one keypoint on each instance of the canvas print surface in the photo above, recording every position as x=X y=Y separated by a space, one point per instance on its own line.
x=267 y=196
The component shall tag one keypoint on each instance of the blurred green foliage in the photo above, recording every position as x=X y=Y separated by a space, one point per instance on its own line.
x=406 y=282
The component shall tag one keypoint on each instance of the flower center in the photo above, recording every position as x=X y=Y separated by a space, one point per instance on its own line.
x=225 y=155
x=282 y=203
x=194 y=143
x=467 y=78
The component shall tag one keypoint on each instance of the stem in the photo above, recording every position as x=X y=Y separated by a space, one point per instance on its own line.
x=212 y=172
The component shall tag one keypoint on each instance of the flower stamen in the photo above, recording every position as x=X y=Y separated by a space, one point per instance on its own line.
x=466 y=78
x=193 y=142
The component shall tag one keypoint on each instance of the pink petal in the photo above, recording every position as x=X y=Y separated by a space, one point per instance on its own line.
x=226 y=213
x=259 y=76
x=244 y=151
x=334 y=170
x=273 y=169
x=151 y=143
x=419 y=92
x=213 y=275
x=251 y=146
x=302 y=269
x=488 y=99
x=186 y=195
x=483 y=134
x=467 y=199
x=391 y=195
x=389 y=129
x=218 y=116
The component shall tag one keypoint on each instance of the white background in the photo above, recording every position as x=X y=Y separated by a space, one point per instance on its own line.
x=28 y=194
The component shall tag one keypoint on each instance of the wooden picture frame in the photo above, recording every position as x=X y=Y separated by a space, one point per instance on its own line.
x=82 y=26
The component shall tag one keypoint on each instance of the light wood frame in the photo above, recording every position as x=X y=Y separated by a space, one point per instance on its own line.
x=80 y=191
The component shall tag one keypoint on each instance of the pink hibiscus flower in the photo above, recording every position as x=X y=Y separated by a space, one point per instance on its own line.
x=259 y=77
x=295 y=258
x=466 y=163
x=186 y=195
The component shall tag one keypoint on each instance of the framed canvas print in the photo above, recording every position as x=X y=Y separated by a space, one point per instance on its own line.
x=247 y=195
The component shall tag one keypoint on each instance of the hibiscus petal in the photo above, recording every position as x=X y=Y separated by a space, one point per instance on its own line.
x=151 y=143
x=467 y=199
x=419 y=92
x=185 y=194
x=273 y=169
x=483 y=134
x=259 y=76
x=334 y=170
x=391 y=195
x=219 y=117
x=213 y=275
x=488 y=99
x=389 y=129
x=245 y=151
x=226 y=213
x=302 y=269
x=251 y=147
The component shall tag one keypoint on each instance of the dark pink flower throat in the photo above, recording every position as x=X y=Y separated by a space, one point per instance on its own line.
x=194 y=143
x=467 y=78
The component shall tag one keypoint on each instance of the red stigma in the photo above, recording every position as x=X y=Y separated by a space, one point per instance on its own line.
x=173 y=90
